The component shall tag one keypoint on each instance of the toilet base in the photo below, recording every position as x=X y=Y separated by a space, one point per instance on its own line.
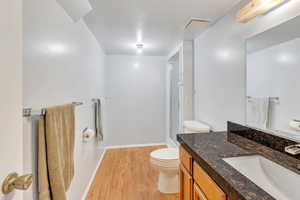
x=168 y=183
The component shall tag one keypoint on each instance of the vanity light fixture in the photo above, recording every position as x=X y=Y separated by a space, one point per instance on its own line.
x=256 y=8
x=139 y=48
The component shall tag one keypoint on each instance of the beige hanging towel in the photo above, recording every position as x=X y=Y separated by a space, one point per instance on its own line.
x=56 y=140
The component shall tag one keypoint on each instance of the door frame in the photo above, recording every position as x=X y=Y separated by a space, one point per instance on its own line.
x=169 y=68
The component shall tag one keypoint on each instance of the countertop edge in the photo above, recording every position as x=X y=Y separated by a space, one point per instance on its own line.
x=222 y=183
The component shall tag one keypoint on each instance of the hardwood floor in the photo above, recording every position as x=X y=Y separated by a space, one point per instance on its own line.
x=127 y=174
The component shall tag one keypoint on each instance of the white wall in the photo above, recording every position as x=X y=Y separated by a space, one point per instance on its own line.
x=220 y=64
x=274 y=72
x=11 y=91
x=136 y=108
x=62 y=63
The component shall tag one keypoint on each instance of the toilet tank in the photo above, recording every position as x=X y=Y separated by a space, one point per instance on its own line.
x=195 y=127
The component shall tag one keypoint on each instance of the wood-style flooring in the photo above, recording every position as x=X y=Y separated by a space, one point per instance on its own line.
x=127 y=174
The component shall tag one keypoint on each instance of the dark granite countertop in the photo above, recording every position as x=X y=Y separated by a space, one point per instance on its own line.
x=208 y=150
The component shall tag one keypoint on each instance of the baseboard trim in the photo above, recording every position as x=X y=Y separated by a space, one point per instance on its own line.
x=93 y=176
x=135 y=145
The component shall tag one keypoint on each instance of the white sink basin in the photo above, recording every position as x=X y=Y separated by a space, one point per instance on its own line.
x=276 y=180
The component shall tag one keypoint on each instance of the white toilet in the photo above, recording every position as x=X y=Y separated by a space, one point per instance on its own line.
x=167 y=160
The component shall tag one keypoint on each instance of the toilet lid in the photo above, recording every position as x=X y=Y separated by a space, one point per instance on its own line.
x=166 y=154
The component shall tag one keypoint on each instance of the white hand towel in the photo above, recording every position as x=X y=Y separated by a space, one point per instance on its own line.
x=258 y=112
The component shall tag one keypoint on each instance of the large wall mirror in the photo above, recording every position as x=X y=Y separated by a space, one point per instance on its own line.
x=273 y=80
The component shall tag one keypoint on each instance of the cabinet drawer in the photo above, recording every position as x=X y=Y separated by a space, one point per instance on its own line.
x=210 y=189
x=186 y=159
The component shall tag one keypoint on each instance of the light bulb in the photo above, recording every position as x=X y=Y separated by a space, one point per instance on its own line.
x=139 y=48
x=140 y=51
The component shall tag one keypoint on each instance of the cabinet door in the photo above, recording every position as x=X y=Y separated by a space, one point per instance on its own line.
x=207 y=185
x=186 y=159
x=198 y=194
x=186 y=184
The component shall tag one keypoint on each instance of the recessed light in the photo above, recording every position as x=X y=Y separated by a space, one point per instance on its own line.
x=139 y=51
x=139 y=48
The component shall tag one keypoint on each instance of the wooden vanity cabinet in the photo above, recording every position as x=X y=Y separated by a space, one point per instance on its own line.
x=195 y=183
x=186 y=184
x=198 y=194
x=186 y=160
x=185 y=175
x=211 y=190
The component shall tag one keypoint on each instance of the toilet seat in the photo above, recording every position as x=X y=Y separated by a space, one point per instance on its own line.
x=166 y=158
x=167 y=154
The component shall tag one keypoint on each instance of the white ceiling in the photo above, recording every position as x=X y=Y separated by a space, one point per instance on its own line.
x=119 y=24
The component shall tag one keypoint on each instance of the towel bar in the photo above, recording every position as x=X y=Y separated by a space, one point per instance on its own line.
x=95 y=99
x=273 y=99
x=28 y=112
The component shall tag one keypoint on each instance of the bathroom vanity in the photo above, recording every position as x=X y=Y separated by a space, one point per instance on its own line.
x=240 y=164
x=195 y=183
